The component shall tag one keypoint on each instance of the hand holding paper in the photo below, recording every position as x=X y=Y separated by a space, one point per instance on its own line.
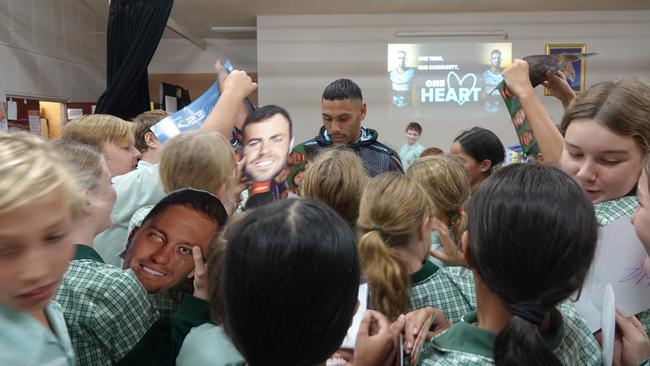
x=240 y=83
x=557 y=85
x=517 y=78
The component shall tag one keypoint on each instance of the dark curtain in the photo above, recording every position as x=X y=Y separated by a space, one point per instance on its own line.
x=134 y=31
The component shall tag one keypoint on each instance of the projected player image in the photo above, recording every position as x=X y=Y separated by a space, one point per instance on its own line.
x=447 y=75
x=401 y=78
x=491 y=78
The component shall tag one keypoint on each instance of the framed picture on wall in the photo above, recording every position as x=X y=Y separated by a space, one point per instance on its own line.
x=575 y=72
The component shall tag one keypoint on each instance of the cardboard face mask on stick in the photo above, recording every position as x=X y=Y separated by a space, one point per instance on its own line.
x=267 y=142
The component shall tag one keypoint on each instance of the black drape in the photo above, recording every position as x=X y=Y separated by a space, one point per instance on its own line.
x=134 y=31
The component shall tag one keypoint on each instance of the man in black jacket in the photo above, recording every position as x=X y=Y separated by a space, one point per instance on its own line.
x=343 y=110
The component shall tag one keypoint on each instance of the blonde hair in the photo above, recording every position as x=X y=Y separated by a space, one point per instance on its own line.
x=98 y=129
x=392 y=208
x=30 y=168
x=204 y=161
x=337 y=178
x=647 y=167
x=86 y=162
x=447 y=182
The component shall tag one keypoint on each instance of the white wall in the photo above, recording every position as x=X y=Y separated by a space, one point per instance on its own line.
x=51 y=49
x=299 y=55
x=179 y=56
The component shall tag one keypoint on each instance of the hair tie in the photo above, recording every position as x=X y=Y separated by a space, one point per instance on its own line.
x=377 y=228
x=460 y=210
x=530 y=311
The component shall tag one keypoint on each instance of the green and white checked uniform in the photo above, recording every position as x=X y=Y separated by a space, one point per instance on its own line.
x=450 y=289
x=467 y=344
x=609 y=211
x=613 y=210
x=106 y=309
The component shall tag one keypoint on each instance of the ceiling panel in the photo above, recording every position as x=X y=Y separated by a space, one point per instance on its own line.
x=198 y=16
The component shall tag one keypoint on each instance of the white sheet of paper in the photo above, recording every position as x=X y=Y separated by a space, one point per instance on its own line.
x=351 y=338
x=34 y=118
x=75 y=113
x=12 y=110
x=170 y=104
x=609 y=324
x=619 y=261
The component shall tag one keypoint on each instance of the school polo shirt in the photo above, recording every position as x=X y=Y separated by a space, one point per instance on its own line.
x=26 y=342
x=208 y=344
x=450 y=289
x=421 y=286
x=467 y=344
x=135 y=189
x=410 y=153
x=105 y=307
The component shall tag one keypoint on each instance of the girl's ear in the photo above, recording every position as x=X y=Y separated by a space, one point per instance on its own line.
x=485 y=166
x=86 y=205
x=424 y=230
x=467 y=252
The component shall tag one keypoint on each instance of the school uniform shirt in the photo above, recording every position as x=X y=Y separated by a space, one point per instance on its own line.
x=613 y=210
x=162 y=342
x=421 y=283
x=105 y=307
x=138 y=188
x=467 y=344
x=26 y=342
x=450 y=289
x=410 y=153
x=208 y=344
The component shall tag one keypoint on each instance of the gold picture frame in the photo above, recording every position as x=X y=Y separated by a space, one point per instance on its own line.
x=578 y=85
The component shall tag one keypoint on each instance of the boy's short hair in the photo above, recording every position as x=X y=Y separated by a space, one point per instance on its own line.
x=142 y=124
x=204 y=161
x=414 y=126
x=97 y=129
x=30 y=168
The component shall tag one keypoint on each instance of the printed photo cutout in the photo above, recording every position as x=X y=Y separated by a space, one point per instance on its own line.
x=267 y=143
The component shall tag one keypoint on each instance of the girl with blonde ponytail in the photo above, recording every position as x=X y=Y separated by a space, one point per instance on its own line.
x=395 y=216
x=445 y=179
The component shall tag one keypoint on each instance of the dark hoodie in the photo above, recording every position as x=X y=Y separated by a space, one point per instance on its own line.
x=376 y=157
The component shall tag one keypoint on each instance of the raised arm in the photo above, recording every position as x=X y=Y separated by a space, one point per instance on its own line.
x=237 y=86
x=548 y=137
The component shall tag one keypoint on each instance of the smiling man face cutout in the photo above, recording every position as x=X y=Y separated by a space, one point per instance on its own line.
x=267 y=142
x=160 y=251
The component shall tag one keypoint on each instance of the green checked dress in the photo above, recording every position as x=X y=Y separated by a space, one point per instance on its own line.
x=466 y=344
x=450 y=289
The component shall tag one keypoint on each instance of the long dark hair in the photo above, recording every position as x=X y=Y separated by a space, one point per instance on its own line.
x=533 y=236
x=290 y=282
x=482 y=144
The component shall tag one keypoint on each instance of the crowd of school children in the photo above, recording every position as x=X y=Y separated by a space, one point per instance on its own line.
x=117 y=249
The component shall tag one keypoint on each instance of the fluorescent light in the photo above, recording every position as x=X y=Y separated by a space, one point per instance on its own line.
x=233 y=29
x=476 y=33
